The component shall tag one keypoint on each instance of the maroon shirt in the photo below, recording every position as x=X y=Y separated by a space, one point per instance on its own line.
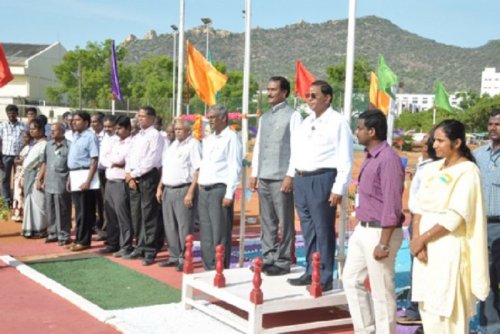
x=380 y=187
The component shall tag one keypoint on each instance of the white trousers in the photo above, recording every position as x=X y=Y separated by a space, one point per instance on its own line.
x=373 y=312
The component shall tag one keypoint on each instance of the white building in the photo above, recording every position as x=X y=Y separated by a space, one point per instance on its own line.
x=421 y=102
x=32 y=68
x=490 y=82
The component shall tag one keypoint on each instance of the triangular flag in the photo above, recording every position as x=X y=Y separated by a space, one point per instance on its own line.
x=5 y=74
x=386 y=77
x=441 y=99
x=303 y=80
x=203 y=77
x=380 y=99
x=115 y=82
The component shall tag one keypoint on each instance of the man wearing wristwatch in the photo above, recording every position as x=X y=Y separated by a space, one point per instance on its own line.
x=378 y=235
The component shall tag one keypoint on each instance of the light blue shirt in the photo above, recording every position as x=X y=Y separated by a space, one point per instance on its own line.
x=488 y=162
x=84 y=147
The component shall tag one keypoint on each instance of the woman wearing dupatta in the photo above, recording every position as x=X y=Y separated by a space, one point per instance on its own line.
x=34 y=219
x=450 y=271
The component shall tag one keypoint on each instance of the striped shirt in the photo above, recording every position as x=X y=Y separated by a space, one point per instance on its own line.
x=488 y=162
x=11 y=137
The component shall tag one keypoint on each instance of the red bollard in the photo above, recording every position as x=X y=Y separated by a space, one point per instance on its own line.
x=188 y=255
x=315 y=288
x=219 y=279
x=256 y=295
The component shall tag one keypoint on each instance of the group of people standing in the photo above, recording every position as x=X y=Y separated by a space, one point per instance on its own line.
x=155 y=187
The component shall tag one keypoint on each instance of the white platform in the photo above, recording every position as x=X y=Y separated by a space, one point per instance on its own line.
x=279 y=296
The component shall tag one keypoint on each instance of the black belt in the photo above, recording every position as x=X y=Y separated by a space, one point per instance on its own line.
x=79 y=168
x=493 y=219
x=212 y=186
x=375 y=224
x=314 y=172
x=178 y=186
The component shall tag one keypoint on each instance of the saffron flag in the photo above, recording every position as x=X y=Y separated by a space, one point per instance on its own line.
x=380 y=99
x=5 y=74
x=203 y=76
x=303 y=80
x=386 y=77
x=441 y=99
x=115 y=82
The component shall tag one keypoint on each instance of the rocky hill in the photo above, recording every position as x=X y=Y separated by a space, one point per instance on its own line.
x=417 y=61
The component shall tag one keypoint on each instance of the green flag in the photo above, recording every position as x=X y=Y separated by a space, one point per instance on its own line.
x=441 y=99
x=386 y=77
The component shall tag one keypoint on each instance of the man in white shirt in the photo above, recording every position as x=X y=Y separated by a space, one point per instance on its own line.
x=272 y=171
x=218 y=179
x=97 y=126
x=116 y=196
x=177 y=191
x=322 y=149
x=142 y=176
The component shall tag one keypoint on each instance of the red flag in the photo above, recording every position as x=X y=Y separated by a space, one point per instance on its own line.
x=5 y=75
x=303 y=80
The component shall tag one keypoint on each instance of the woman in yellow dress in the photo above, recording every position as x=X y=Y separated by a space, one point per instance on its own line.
x=449 y=236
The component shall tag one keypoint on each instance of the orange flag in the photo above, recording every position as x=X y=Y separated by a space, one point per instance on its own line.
x=303 y=80
x=203 y=77
x=378 y=98
x=5 y=74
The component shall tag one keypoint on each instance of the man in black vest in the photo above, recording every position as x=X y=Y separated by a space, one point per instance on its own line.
x=271 y=170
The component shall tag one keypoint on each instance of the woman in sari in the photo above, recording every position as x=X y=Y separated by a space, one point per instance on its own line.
x=449 y=242
x=18 y=202
x=34 y=218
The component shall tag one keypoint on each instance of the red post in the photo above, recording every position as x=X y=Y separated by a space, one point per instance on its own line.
x=315 y=288
x=219 y=279
x=256 y=295
x=188 y=255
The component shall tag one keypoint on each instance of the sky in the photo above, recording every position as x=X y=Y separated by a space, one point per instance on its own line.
x=461 y=23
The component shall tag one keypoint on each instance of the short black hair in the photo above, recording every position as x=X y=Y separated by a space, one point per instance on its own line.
x=494 y=112
x=123 y=121
x=375 y=119
x=12 y=108
x=42 y=118
x=109 y=118
x=325 y=87
x=284 y=83
x=33 y=109
x=99 y=116
x=83 y=115
x=66 y=114
x=38 y=124
x=150 y=111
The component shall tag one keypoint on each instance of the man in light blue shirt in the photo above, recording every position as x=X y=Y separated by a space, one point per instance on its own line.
x=488 y=161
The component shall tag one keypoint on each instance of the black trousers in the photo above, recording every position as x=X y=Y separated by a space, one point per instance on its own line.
x=149 y=228
x=84 y=202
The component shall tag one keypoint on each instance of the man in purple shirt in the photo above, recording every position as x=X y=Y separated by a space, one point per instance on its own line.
x=378 y=235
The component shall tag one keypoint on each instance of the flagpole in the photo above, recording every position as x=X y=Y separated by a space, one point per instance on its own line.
x=180 y=62
x=434 y=115
x=244 y=126
x=349 y=73
x=113 y=106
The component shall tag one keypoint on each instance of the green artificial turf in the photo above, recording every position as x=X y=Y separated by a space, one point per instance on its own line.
x=108 y=284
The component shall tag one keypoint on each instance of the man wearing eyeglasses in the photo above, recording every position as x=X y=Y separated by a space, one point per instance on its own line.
x=272 y=171
x=322 y=149
x=488 y=161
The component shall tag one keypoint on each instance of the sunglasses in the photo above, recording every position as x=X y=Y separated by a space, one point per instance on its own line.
x=311 y=96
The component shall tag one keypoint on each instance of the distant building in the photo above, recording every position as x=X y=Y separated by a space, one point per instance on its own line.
x=490 y=82
x=32 y=67
x=421 y=102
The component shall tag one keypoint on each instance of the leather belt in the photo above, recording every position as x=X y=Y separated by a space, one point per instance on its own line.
x=178 y=186
x=371 y=224
x=493 y=219
x=212 y=186
x=320 y=171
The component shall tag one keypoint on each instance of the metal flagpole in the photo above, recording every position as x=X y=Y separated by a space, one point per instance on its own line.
x=349 y=70
x=244 y=127
x=174 y=55
x=181 y=59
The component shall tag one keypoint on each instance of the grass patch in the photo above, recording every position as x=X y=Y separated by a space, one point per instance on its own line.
x=108 y=284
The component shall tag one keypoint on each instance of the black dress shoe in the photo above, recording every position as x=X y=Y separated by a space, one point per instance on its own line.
x=324 y=286
x=305 y=279
x=147 y=261
x=50 y=239
x=277 y=271
x=169 y=263
x=133 y=255
x=64 y=242
x=107 y=250
x=265 y=267
x=121 y=253
x=180 y=267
